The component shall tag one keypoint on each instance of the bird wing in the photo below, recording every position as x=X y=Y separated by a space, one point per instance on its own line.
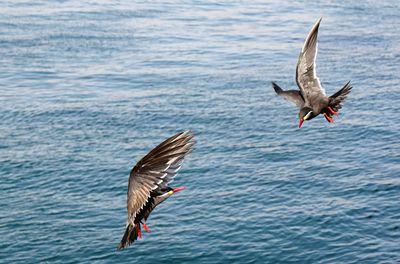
x=156 y=170
x=306 y=76
x=293 y=96
x=336 y=100
x=153 y=202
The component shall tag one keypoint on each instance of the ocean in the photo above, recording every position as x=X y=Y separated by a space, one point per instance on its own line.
x=87 y=88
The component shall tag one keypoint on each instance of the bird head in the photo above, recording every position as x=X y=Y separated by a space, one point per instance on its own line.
x=305 y=114
x=175 y=190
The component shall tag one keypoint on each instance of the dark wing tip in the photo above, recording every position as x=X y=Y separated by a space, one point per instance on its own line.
x=184 y=136
x=336 y=100
x=316 y=25
x=346 y=89
x=276 y=87
x=312 y=36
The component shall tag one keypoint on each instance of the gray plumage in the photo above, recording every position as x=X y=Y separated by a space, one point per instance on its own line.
x=311 y=98
x=290 y=95
x=149 y=179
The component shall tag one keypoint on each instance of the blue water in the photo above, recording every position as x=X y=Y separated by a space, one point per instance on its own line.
x=86 y=89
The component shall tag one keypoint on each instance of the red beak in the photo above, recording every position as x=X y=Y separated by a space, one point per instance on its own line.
x=175 y=190
x=301 y=122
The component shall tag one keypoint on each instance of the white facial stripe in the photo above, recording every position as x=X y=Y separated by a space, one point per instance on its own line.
x=164 y=194
x=308 y=115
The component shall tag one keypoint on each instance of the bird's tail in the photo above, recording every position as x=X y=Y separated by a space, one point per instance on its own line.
x=336 y=100
x=131 y=234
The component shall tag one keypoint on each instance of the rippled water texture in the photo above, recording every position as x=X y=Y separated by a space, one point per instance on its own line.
x=89 y=88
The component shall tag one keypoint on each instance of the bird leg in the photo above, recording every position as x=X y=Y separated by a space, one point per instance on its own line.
x=139 y=231
x=328 y=118
x=332 y=111
x=146 y=228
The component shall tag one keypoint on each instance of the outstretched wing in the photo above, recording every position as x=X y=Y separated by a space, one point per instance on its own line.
x=306 y=76
x=156 y=170
x=336 y=100
x=293 y=96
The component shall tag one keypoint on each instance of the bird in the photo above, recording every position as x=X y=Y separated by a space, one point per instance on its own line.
x=149 y=180
x=311 y=99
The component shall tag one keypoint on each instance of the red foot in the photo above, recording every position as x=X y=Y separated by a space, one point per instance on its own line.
x=332 y=111
x=330 y=119
x=139 y=231
x=146 y=228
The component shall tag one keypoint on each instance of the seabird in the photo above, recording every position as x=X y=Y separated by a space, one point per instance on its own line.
x=148 y=182
x=311 y=98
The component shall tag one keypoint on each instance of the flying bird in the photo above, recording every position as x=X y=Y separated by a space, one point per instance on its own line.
x=311 y=98
x=148 y=182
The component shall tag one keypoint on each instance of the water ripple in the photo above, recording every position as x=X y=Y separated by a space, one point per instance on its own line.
x=88 y=88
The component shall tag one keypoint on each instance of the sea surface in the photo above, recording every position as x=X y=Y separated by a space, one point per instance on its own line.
x=89 y=87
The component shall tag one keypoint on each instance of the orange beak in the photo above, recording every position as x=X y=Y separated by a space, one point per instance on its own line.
x=175 y=190
x=301 y=122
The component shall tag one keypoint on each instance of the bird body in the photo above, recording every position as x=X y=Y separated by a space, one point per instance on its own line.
x=148 y=182
x=311 y=98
